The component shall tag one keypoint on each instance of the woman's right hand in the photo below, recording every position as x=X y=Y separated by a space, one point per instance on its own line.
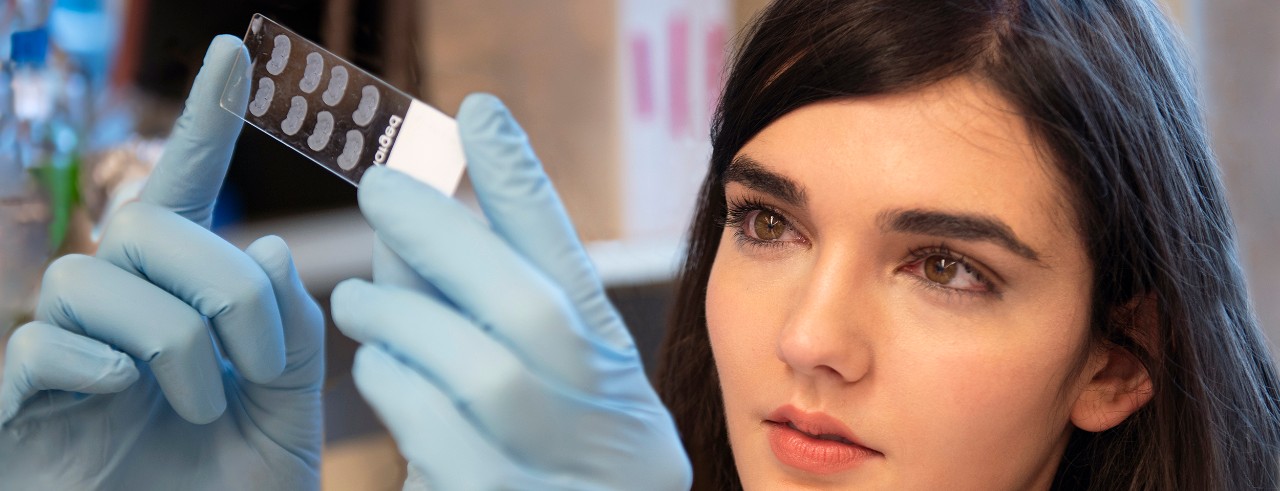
x=491 y=351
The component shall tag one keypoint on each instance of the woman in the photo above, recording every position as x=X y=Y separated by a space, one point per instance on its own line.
x=942 y=245
x=1015 y=265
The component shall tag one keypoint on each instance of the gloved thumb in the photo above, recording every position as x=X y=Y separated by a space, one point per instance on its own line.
x=523 y=207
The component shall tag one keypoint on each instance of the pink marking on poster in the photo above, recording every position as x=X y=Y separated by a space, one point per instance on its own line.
x=717 y=39
x=642 y=70
x=678 y=73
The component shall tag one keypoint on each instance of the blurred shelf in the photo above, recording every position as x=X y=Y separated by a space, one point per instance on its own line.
x=331 y=246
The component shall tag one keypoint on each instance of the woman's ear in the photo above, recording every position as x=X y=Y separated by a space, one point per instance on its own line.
x=1119 y=384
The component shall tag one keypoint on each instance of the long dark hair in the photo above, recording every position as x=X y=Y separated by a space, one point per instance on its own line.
x=1107 y=91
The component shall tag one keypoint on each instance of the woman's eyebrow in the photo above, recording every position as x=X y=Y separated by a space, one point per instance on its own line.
x=956 y=226
x=752 y=174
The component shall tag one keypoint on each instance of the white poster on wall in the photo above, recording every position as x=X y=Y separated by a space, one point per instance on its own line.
x=672 y=57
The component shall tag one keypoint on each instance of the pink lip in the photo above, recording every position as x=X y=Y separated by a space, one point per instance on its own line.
x=814 y=442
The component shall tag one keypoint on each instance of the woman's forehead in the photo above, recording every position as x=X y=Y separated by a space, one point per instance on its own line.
x=955 y=146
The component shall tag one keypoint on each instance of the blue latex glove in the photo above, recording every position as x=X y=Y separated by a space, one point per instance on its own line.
x=123 y=385
x=514 y=371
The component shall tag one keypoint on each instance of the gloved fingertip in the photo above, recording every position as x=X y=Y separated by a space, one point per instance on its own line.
x=347 y=290
x=417 y=480
x=484 y=115
x=199 y=403
x=500 y=161
x=11 y=396
x=481 y=105
x=272 y=254
x=380 y=175
x=383 y=190
x=118 y=374
x=372 y=176
x=223 y=46
x=121 y=374
x=379 y=182
x=344 y=300
x=369 y=372
x=224 y=54
x=208 y=414
x=7 y=413
x=8 y=403
x=375 y=371
x=369 y=358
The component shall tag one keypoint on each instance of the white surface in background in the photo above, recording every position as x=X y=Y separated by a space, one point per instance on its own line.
x=332 y=246
x=671 y=58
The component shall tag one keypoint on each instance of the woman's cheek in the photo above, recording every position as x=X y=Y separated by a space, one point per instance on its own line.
x=749 y=298
x=746 y=308
x=741 y=311
x=971 y=399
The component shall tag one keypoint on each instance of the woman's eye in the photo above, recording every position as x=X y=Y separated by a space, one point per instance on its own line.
x=949 y=272
x=765 y=226
x=940 y=269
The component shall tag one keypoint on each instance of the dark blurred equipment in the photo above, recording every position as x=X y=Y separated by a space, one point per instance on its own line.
x=266 y=179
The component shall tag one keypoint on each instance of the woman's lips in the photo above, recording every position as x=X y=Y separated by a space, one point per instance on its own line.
x=814 y=442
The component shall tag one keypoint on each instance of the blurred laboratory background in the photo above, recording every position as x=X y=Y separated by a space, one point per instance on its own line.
x=616 y=95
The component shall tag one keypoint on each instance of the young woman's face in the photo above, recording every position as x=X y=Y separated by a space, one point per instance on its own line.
x=899 y=300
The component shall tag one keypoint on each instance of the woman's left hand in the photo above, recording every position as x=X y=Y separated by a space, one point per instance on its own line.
x=508 y=368
x=170 y=359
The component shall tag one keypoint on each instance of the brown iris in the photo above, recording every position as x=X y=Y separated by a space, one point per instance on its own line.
x=769 y=225
x=940 y=269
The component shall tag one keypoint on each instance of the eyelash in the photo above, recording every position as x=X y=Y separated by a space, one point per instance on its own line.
x=738 y=209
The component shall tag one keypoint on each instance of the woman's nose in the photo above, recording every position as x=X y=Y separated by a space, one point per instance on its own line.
x=829 y=335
